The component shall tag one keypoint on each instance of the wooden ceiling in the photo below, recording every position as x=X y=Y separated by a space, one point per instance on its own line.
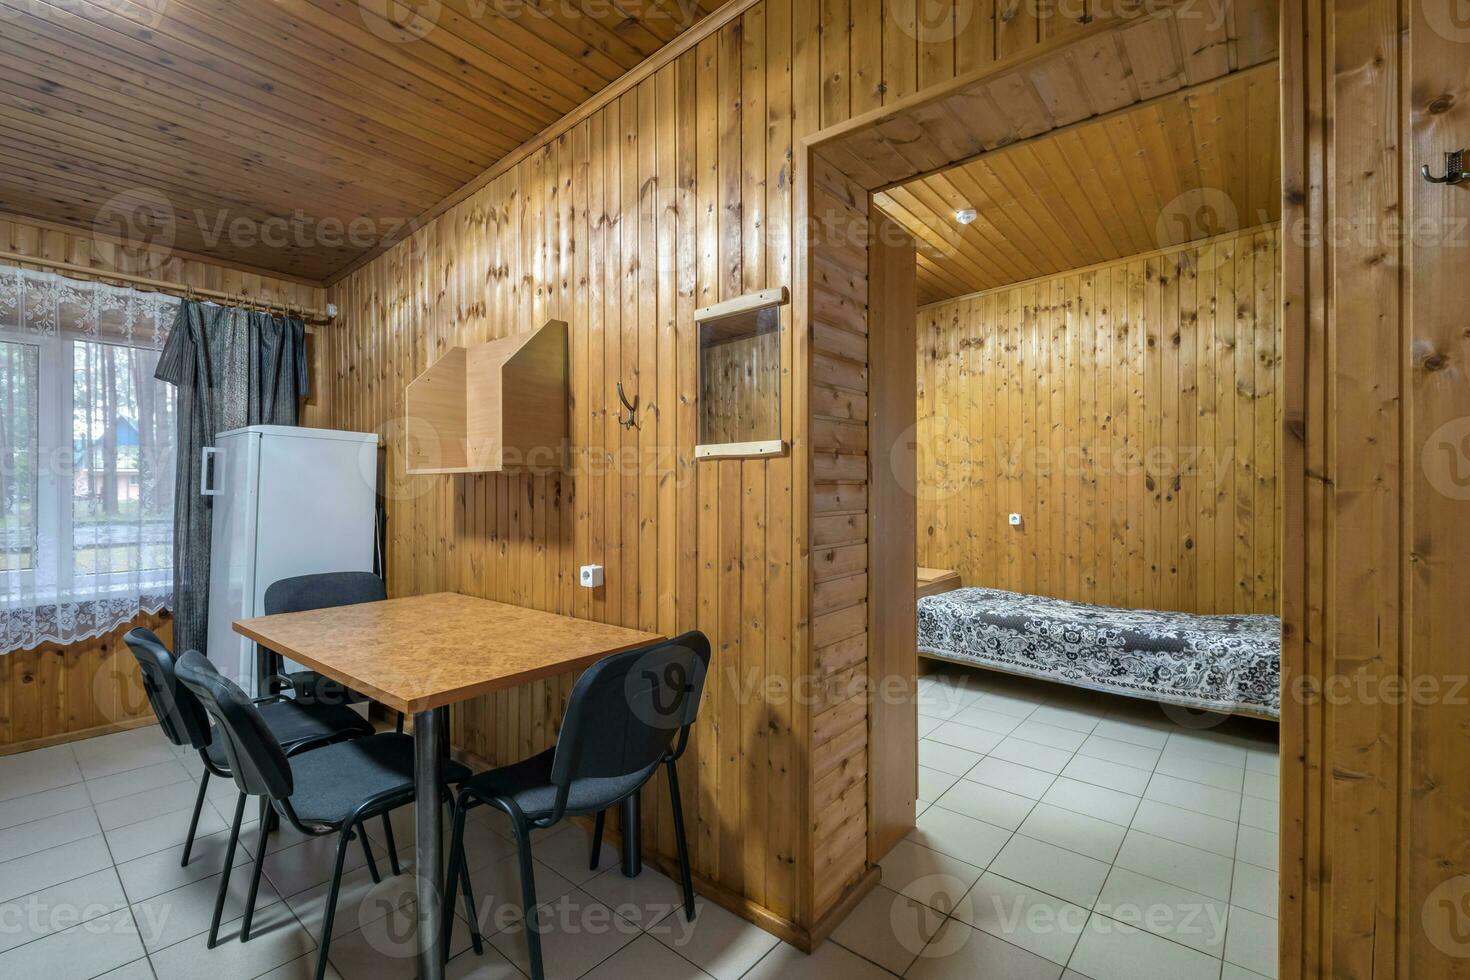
x=290 y=136
x=1186 y=166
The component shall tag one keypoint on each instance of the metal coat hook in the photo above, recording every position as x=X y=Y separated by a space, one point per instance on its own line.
x=631 y=422
x=1454 y=169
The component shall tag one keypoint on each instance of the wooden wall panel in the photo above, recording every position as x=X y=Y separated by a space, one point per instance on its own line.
x=1375 y=798
x=1127 y=411
x=53 y=693
x=26 y=236
x=893 y=765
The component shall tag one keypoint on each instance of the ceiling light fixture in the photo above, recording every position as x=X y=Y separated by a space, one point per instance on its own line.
x=965 y=215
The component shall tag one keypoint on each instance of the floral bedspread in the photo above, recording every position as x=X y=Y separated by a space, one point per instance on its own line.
x=1221 y=663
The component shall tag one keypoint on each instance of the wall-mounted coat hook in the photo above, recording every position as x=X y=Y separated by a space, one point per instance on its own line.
x=1454 y=169
x=631 y=422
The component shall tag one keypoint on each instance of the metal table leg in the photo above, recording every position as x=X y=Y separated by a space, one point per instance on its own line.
x=428 y=729
x=632 y=838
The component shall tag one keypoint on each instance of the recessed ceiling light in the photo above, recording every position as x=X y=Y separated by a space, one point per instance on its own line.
x=965 y=215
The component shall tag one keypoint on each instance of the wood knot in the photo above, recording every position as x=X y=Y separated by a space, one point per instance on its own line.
x=1441 y=104
x=1436 y=361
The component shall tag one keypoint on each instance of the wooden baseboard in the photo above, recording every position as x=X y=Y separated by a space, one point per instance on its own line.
x=64 y=737
x=856 y=892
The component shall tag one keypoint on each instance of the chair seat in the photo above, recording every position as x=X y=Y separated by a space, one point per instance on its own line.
x=334 y=780
x=293 y=724
x=528 y=784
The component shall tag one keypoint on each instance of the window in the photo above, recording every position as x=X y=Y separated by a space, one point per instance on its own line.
x=86 y=458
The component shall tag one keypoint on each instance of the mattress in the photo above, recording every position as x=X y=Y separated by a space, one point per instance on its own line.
x=1226 y=663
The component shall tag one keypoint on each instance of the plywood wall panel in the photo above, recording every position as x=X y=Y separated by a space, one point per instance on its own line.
x=1101 y=406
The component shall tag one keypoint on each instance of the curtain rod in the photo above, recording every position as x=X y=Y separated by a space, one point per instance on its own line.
x=179 y=289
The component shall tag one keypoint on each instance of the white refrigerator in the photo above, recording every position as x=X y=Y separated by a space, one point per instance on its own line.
x=287 y=501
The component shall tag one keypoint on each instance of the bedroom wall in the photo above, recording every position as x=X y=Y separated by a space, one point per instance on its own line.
x=60 y=693
x=1129 y=413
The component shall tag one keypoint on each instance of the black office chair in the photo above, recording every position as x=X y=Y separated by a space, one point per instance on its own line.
x=700 y=645
x=297 y=726
x=621 y=718
x=328 y=790
x=302 y=593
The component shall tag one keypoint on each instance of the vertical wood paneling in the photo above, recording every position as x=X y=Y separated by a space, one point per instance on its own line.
x=1087 y=460
x=53 y=693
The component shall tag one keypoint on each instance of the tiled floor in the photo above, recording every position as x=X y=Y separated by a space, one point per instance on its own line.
x=1090 y=834
x=1059 y=831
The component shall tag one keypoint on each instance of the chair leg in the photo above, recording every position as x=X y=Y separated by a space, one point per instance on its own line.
x=681 y=841
x=471 y=909
x=224 y=878
x=451 y=886
x=255 y=880
x=194 y=820
x=531 y=920
x=392 y=846
x=400 y=722
x=367 y=849
x=331 y=909
x=597 y=828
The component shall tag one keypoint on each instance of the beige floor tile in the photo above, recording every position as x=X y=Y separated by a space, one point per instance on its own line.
x=1024 y=917
x=961 y=952
x=1110 y=950
x=719 y=942
x=1011 y=777
x=973 y=841
x=1057 y=871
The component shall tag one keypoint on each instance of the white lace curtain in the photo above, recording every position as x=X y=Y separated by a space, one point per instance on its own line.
x=86 y=458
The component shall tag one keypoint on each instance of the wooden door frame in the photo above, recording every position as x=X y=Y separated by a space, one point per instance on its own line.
x=838 y=170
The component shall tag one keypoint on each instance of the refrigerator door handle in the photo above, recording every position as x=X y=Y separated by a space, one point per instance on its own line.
x=206 y=472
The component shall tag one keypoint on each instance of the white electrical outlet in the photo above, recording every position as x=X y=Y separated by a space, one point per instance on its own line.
x=1015 y=520
x=591 y=576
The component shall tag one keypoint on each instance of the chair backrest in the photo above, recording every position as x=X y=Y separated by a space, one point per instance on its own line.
x=626 y=709
x=257 y=761
x=179 y=712
x=323 y=591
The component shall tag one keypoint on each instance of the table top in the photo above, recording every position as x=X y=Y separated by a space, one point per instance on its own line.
x=422 y=652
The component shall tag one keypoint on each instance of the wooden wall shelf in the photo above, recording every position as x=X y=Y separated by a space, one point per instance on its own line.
x=497 y=407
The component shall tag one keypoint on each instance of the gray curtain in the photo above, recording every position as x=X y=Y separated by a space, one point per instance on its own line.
x=233 y=368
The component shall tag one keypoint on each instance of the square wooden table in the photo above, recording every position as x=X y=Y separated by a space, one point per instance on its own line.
x=423 y=653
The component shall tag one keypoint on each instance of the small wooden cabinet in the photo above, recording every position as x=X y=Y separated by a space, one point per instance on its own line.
x=497 y=407
x=934 y=581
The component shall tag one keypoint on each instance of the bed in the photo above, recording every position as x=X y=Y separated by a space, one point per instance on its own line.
x=1230 y=664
